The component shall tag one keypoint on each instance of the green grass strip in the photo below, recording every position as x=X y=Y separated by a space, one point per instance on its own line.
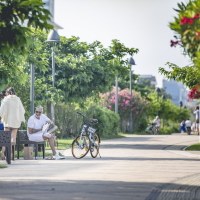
x=194 y=147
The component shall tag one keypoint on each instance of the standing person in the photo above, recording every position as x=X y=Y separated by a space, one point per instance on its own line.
x=197 y=114
x=182 y=127
x=12 y=115
x=40 y=128
x=1 y=125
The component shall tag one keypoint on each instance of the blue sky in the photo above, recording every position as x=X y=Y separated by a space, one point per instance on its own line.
x=141 y=24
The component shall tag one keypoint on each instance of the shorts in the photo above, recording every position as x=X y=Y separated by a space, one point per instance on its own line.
x=36 y=137
x=197 y=121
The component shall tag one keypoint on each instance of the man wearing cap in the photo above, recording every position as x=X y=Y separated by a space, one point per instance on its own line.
x=40 y=128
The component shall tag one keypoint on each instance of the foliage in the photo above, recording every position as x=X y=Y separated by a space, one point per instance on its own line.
x=186 y=27
x=16 y=18
x=126 y=104
x=165 y=109
x=108 y=120
x=194 y=93
x=194 y=147
x=169 y=128
x=2 y=166
x=67 y=120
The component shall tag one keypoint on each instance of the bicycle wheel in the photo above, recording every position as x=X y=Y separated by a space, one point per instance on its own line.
x=80 y=146
x=94 y=145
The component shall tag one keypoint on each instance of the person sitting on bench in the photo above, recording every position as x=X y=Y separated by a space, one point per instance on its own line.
x=41 y=128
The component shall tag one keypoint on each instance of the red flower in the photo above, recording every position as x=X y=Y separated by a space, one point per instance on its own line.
x=186 y=20
x=194 y=93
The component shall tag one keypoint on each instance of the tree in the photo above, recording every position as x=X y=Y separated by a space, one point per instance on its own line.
x=16 y=19
x=186 y=27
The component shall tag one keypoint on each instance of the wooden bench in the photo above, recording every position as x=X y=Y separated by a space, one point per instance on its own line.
x=22 y=138
x=5 y=140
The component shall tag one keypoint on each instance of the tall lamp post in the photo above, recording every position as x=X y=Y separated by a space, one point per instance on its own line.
x=158 y=91
x=116 y=94
x=53 y=38
x=131 y=62
x=32 y=90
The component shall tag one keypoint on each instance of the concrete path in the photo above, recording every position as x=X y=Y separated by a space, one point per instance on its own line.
x=133 y=168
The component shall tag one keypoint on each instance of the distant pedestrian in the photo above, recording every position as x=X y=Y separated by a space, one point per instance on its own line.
x=1 y=125
x=197 y=116
x=188 y=125
x=182 y=127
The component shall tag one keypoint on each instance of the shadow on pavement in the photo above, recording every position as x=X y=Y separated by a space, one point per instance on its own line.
x=96 y=190
x=143 y=146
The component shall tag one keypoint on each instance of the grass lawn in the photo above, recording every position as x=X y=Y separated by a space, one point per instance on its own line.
x=194 y=147
x=3 y=165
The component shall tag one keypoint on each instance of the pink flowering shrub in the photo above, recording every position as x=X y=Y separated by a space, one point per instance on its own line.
x=126 y=104
x=194 y=93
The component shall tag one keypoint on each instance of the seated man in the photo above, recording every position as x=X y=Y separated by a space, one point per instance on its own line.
x=188 y=125
x=40 y=128
x=156 y=121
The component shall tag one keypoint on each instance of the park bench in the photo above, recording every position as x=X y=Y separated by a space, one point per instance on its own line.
x=5 y=140
x=22 y=139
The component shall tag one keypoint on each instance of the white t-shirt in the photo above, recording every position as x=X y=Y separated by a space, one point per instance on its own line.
x=196 y=112
x=188 y=123
x=36 y=123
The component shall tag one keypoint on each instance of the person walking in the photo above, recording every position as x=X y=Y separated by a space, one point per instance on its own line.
x=197 y=115
x=41 y=128
x=12 y=115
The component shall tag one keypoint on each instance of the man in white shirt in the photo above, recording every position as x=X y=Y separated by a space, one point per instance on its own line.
x=157 y=121
x=39 y=130
x=188 y=125
x=197 y=114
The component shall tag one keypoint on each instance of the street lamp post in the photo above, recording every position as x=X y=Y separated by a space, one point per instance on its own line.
x=32 y=90
x=158 y=91
x=53 y=38
x=131 y=62
x=116 y=94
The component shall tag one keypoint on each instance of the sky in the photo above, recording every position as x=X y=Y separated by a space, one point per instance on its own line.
x=142 y=24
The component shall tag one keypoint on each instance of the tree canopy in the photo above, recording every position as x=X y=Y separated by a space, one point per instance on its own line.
x=16 y=19
x=187 y=35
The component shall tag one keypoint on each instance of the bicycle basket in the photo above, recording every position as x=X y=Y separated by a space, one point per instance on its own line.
x=91 y=130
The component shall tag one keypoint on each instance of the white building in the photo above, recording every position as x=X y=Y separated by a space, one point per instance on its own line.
x=177 y=91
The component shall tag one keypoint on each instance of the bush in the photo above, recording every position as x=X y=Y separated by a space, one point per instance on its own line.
x=109 y=121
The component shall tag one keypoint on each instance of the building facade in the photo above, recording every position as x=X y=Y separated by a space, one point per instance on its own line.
x=177 y=91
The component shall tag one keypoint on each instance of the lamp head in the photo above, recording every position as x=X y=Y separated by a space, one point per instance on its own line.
x=131 y=61
x=53 y=36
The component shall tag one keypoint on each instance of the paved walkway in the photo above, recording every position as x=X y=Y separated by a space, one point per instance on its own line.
x=140 y=167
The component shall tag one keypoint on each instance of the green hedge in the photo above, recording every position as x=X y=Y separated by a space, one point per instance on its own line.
x=109 y=121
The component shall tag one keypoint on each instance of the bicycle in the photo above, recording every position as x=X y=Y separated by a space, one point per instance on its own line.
x=87 y=140
x=152 y=129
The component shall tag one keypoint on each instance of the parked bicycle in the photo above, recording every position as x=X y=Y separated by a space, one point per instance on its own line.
x=152 y=129
x=87 y=140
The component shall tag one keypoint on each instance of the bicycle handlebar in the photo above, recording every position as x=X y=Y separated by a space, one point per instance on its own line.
x=91 y=120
